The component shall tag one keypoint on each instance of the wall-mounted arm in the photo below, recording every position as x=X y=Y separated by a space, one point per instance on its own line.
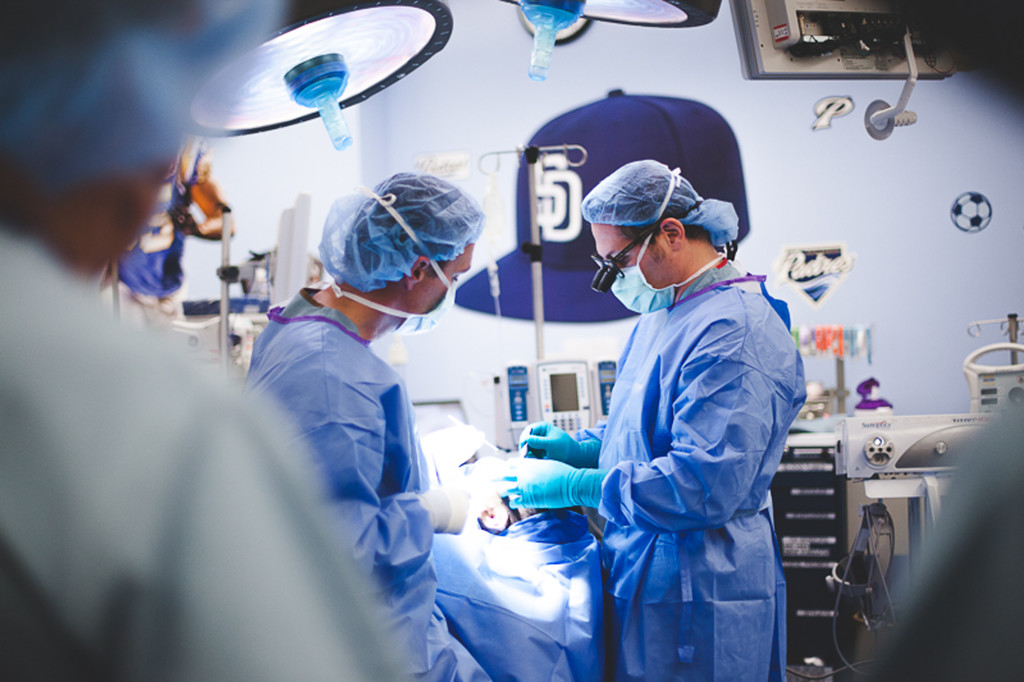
x=880 y=118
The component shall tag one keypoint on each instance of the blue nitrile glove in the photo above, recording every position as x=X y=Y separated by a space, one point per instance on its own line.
x=549 y=484
x=544 y=440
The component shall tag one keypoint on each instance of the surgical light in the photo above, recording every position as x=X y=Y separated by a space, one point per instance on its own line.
x=330 y=56
x=548 y=17
x=318 y=83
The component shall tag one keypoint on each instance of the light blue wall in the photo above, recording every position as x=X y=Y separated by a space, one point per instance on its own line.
x=917 y=279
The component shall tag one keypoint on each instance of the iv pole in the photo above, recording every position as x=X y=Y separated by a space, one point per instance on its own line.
x=1010 y=325
x=227 y=274
x=533 y=247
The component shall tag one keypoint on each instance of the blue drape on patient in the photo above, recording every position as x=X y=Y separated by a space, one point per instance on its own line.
x=528 y=603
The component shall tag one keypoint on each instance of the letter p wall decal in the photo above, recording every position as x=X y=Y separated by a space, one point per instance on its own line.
x=829 y=108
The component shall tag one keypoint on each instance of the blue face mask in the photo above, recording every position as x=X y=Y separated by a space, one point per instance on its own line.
x=634 y=292
x=419 y=324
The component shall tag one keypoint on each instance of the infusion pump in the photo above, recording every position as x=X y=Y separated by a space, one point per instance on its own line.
x=571 y=394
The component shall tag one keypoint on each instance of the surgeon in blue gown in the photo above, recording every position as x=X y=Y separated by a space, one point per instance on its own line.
x=523 y=591
x=707 y=387
x=394 y=254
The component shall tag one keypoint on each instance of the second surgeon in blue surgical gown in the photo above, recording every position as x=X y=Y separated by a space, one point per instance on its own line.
x=394 y=255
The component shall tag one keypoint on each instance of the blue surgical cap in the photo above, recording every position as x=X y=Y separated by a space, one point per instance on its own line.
x=635 y=193
x=103 y=87
x=365 y=247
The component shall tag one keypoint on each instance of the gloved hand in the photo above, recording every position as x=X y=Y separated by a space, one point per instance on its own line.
x=544 y=440
x=549 y=484
x=447 y=507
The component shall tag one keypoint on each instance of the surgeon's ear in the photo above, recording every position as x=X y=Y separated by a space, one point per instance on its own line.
x=674 y=234
x=420 y=269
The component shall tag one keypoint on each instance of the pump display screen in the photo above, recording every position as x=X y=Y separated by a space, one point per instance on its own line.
x=564 y=397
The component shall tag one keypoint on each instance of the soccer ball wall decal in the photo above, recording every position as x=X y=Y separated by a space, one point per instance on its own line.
x=971 y=212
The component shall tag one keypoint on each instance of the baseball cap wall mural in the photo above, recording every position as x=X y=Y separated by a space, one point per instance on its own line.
x=616 y=130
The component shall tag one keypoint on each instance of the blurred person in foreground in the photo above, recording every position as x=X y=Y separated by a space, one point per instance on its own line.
x=961 y=619
x=150 y=527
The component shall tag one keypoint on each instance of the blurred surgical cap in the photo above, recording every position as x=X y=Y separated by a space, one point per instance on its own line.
x=100 y=87
x=632 y=195
x=365 y=247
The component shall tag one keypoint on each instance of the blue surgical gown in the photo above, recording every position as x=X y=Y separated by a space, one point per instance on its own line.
x=702 y=404
x=527 y=603
x=353 y=409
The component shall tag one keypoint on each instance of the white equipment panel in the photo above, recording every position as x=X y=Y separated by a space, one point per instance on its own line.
x=767 y=30
x=872 y=446
x=564 y=393
x=571 y=394
x=994 y=388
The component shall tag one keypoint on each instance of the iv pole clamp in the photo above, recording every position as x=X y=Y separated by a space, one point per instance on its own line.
x=880 y=118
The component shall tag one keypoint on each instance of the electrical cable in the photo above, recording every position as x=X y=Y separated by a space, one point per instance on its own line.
x=870 y=40
x=875 y=522
x=835 y=621
x=823 y=676
x=887 y=520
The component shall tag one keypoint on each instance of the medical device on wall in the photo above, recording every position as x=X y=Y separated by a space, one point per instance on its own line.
x=825 y=39
x=849 y=39
x=995 y=387
x=571 y=394
x=870 y=447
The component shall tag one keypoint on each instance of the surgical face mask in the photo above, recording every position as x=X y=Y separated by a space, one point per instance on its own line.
x=418 y=324
x=634 y=292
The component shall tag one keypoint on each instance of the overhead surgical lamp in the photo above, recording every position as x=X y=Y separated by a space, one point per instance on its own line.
x=330 y=56
x=548 y=17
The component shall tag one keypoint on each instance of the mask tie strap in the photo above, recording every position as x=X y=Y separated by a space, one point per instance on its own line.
x=673 y=182
x=387 y=310
x=643 y=249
